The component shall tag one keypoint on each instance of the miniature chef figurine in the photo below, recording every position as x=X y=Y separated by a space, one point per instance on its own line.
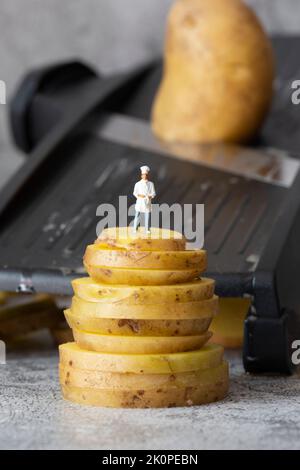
x=144 y=192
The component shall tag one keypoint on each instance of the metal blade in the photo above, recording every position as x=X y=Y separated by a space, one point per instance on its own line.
x=268 y=165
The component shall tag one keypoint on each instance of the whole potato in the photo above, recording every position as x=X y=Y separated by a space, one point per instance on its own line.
x=218 y=73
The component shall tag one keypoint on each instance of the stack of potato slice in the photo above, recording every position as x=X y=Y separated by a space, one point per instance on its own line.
x=140 y=324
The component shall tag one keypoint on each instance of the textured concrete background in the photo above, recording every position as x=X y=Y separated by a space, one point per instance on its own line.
x=260 y=412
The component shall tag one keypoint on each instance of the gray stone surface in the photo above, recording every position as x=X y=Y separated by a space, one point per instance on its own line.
x=261 y=412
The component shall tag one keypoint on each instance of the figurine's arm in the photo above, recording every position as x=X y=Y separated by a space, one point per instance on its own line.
x=136 y=193
x=152 y=193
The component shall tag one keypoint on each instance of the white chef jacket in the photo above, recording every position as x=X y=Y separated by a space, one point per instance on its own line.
x=146 y=188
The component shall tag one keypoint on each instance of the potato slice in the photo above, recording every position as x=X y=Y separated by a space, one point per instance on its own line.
x=212 y=386
x=96 y=256
x=158 y=240
x=141 y=277
x=127 y=381
x=87 y=289
x=228 y=329
x=117 y=344
x=167 y=311
x=40 y=312
x=62 y=335
x=127 y=326
x=209 y=356
x=3 y=297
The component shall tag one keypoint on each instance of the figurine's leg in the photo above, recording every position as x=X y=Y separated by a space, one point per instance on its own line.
x=136 y=221
x=147 y=218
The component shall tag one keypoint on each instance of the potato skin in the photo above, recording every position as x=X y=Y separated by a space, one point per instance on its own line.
x=187 y=259
x=127 y=381
x=141 y=277
x=178 y=311
x=87 y=289
x=218 y=74
x=124 y=238
x=210 y=356
x=136 y=327
x=121 y=344
x=212 y=386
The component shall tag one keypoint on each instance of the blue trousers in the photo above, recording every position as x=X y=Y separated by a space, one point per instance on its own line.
x=137 y=217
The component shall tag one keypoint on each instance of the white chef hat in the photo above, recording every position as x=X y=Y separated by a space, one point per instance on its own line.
x=144 y=169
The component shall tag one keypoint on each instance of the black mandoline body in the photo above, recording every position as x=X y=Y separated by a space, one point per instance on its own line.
x=47 y=210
